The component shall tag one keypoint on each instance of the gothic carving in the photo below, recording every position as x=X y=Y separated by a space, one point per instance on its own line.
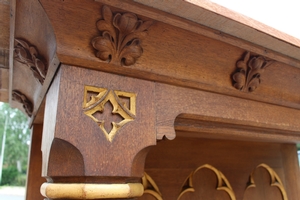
x=249 y=70
x=120 y=37
x=123 y=107
x=150 y=187
x=28 y=55
x=21 y=98
x=222 y=184
x=272 y=181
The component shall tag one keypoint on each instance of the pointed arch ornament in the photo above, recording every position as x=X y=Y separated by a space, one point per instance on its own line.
x=222 y=182
x=275 y=180
x=150 y=187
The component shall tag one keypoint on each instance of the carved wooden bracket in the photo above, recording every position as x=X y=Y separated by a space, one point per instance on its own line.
x=94 y=102
x=28 y=55
x=249 y=70
x=21 y=98
x=120 y=37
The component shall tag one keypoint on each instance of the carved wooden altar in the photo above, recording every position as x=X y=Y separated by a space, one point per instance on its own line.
x=152 y=100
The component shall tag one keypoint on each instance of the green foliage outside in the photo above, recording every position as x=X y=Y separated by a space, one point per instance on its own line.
x=16 y=146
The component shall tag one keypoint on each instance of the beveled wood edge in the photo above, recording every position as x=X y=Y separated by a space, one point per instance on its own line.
x=237 y=25
x=11 y=48
x=54 y=64
x=91 y=191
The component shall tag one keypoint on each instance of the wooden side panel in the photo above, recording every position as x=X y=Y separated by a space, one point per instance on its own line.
x=34 y=173
x=171 y=162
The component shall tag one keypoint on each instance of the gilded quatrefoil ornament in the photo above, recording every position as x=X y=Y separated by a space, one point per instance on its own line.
x=123 y=104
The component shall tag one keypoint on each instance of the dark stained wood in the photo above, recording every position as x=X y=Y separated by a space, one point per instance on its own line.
x=119 y=76
x=34 y=61
x=206 y=64
x=4 y=50
x=224 y=112
x=34 y=178
x=64 y=107
x=169 y=163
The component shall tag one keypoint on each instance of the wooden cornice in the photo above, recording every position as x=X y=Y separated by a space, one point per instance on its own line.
x=186 y=45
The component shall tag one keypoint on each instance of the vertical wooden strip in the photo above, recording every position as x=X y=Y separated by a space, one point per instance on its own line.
x=11 y=46
x=291 y=167
x=34 y=178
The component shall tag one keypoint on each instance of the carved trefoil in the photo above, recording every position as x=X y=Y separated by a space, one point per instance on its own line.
x=249 y=70
x=120 y=37
x=99 y=100
x=28 y=55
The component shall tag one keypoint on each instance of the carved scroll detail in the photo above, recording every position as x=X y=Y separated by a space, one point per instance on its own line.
x=21 y=98
x=94 y=102
x=150 y=187
x=222 y=182
x=275 y=180
x=28 y=55
x=120 y=37
x=249 y=70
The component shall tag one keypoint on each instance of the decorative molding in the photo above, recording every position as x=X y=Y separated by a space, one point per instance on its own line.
x=275 y=180
x=95 y=99
x=28 y=55
x=249 y=70
x=150 y=187
x=222 y=182
x=91 y=191
x=120 y=37
x=21 y=98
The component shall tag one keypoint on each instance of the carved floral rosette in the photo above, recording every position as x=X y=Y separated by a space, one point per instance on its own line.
x=249 y=70
x=120 y=37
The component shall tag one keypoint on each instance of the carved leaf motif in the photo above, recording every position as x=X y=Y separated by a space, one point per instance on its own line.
x=249 y=70
x=120 y=37
x=21 y=98
x=131 y=52
x=105 y=46
x=29 y=56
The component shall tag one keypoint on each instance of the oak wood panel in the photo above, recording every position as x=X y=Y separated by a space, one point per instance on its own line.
x=4 y=25
x=4 y=75
x=68 y=128
x=176 y=19
x=224 y=20
x=4 y=52
x=170 y=54
x=170 y=162
x=26 y=16
x=34 y=179
x=198 y=105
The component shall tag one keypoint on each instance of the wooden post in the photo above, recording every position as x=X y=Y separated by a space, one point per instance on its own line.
x=34 y=179
x=97 y=131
